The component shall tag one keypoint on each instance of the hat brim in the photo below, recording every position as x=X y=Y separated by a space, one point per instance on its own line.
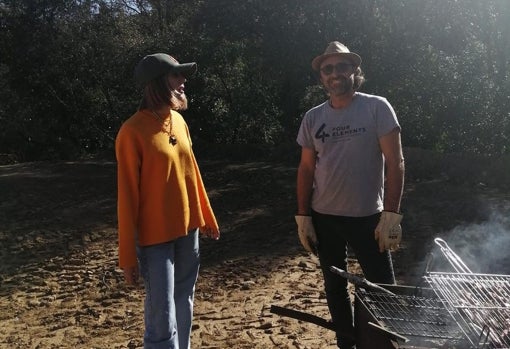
x=186 y=69
x=159 y=64
x=353 y=57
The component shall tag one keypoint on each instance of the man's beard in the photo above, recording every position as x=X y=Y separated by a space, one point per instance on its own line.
x=342 y=86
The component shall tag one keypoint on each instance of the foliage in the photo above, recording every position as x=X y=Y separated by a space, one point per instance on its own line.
x=66 y=68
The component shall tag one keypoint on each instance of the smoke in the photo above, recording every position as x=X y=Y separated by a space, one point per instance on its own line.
x=484 y=246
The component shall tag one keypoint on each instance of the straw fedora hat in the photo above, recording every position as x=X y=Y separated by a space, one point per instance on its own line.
x=336 y=48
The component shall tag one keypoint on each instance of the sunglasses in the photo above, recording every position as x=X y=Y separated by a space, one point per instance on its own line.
x=341 y=68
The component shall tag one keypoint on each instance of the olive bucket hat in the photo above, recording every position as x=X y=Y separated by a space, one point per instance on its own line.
x=336 y=48
x=152 y=66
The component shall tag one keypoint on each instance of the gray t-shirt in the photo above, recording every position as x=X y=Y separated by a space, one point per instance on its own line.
x=349 y=172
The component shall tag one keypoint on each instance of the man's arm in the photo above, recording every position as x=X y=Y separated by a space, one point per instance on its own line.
x=391 y=147
x=305 y=175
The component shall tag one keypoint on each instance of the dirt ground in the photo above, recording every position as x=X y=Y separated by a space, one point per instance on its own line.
x=60 y=286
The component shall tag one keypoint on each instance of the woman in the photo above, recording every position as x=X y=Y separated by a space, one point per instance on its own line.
x=162 y=202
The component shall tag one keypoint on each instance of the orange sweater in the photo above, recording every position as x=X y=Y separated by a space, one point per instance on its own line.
x=161 y=195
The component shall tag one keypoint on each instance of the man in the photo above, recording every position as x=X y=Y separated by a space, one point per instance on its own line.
x=350 y=143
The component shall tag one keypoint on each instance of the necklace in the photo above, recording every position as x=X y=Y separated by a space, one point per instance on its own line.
x=167 y=127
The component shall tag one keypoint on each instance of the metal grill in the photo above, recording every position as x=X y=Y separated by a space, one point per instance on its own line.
x=464 y=309
x=412 y=315
x=480 y=303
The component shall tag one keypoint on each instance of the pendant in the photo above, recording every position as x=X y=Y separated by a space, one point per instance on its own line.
x=172 y=140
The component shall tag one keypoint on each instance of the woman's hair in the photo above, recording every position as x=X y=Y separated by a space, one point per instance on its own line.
x=158 y=93
x=359 y=79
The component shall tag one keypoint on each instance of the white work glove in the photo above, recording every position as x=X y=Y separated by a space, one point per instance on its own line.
x=389 y=232
x=306 y=233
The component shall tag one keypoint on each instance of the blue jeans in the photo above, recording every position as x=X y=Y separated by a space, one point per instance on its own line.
x=169 y=271
x=334 y=233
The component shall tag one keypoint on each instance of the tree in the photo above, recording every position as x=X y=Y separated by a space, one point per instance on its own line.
x=66 y=68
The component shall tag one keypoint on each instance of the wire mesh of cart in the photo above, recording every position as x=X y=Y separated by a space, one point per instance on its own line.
x=479 y=303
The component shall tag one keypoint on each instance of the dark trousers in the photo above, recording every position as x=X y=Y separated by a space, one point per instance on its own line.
x=334 y=233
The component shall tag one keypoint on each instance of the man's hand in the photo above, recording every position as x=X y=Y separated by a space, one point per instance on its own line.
x=131 y=275
x=389 y=232
x=306 y=233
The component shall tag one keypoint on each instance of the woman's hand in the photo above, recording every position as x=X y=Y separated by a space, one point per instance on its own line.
x=210 y=232
x=131 y=275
